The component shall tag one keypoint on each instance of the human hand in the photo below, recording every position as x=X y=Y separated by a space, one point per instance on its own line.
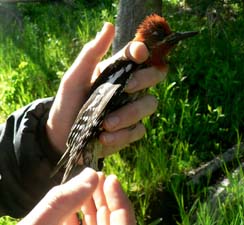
x=77 y=81
x=100 y=198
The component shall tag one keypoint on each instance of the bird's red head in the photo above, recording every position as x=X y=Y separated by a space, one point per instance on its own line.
x=155 y=32
x=152 y=31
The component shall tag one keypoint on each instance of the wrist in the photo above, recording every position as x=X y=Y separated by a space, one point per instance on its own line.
x=56 y=136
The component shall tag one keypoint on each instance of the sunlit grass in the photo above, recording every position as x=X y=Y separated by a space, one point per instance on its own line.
x=200 y=112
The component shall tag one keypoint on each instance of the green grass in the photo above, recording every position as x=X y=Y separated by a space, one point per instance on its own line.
x=200 y=112
x=35 y=55
x=229 y=211
x=7 y=220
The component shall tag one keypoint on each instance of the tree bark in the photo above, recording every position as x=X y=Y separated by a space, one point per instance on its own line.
x=130 y=15
x=229 y=158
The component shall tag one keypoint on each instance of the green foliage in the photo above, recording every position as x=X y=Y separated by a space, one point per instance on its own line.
x=200 y=112
x=213 y=84
x=36 y=51
x=226 y=211
x=7 y=221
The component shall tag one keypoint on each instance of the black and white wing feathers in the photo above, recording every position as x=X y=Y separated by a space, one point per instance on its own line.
x=106 y=94
x=84 y=127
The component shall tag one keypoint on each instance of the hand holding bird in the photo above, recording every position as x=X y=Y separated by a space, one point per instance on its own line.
x=108 y=92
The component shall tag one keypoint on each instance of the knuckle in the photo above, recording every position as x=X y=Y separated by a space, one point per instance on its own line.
x=126 y=136
x=56 y=198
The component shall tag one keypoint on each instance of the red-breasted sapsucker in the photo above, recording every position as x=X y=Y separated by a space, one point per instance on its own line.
x=107 y=93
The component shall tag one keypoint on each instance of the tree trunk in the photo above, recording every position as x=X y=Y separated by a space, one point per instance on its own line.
x=229 y=159
x=130 y=15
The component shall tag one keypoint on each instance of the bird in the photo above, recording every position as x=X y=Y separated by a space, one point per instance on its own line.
x=107 y=93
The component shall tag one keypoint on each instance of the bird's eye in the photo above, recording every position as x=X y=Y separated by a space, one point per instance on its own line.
x=161 y=34
x=155 y=33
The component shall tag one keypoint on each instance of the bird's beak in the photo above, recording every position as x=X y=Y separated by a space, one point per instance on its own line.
x=175 y=37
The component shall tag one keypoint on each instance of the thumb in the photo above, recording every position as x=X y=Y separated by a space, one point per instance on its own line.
x=74 y=87
x=64 y=200
x=83 y=67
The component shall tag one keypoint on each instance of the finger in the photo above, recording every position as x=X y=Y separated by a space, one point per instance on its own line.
x=64 y=200
x=118 y=203
x=89 y=212
x=100 y=202
x=137 y=110
x=145 y=78
x=96 y=210
x=117 y=140
x=82 y=69
x=70 y=196
x=103 y=216
x=74 y=87
x=77 y=80
x=135 y=51
x=98 y=194
x=72 y=220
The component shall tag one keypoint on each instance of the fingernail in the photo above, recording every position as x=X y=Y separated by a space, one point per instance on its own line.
x=87 y=172
x=112 y=177
x=88 y=175
x=107 y=138
x=105 y=26
x=112 y=121
x=98 y=34
x=102 y=30
x=132 y=85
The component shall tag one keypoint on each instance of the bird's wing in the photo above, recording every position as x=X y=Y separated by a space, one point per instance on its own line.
x=82 y=131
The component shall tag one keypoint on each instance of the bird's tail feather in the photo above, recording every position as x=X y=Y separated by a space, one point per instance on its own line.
x=61 y=163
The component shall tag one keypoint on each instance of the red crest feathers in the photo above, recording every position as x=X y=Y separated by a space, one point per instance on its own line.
x=154 y=28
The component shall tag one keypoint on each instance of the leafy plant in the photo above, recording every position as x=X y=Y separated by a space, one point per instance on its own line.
x=200 y=111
